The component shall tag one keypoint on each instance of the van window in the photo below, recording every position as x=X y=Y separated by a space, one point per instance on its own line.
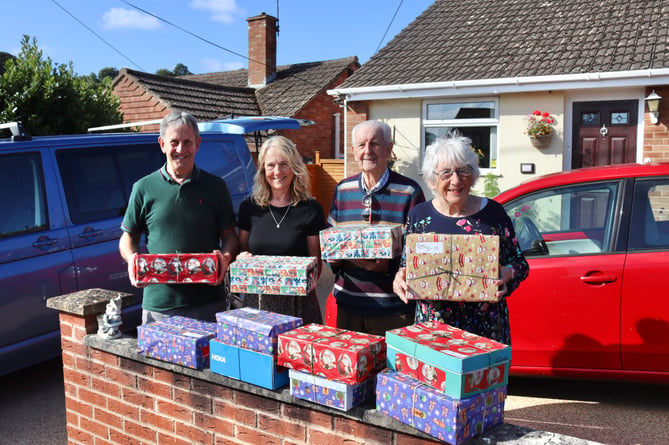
x=97 y=181
x=22 y=203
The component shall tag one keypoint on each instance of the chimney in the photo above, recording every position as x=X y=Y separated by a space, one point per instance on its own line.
x=262 y=50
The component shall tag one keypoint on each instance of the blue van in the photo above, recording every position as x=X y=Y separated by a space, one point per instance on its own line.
x=62 y=201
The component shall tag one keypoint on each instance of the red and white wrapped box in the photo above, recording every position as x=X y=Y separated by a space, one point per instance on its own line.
x=176 y=268
x=336 y=354
x=452 y=267
x=456 y=362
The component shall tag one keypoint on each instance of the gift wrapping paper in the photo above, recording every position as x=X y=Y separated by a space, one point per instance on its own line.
x=423 y=407
x=448 y=347
x=354 y=241
x=452 y=267
x=254 y=329
x=337 y=354
x=180 y=340
x=274 y=275
x=176 y=268
x=339 y=395
x=454 y=384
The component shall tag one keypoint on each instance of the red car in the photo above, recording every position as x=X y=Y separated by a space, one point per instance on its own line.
x=596 y=302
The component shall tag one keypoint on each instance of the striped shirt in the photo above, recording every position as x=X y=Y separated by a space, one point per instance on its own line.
x=357 y=288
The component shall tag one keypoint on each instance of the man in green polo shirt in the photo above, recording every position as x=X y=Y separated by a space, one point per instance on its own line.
x=181 y=209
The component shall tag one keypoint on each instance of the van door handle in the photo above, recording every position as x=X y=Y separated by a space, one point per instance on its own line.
x=44 y=242
x=599 y=279
x=89 y=232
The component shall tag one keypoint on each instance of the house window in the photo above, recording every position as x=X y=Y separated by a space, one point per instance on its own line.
x=477 y=120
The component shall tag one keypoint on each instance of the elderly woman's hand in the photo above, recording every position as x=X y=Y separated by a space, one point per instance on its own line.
x=505 y=275
x=244 y=254
x=400 y=286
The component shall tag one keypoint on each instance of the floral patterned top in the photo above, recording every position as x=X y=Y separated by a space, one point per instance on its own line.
x=490 y=320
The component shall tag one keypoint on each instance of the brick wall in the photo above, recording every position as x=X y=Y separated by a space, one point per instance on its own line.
x=112 y=399
x=137 y=105
x=322 y=109
x=357 y=112
x=656 y=137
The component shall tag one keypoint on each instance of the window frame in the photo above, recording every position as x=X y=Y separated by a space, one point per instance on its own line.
x=474 y=122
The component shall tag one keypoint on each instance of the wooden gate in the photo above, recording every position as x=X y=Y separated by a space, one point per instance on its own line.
x=324 y=175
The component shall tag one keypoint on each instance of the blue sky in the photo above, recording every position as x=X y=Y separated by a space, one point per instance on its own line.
x=94 y=34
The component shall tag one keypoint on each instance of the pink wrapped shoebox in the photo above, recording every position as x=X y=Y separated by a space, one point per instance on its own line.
x=337 y=354
x=176 y=268
x=454 y=362
x=426 y=409
x=254 y=329
x=180 y=340
x=274 y=275
x=376 y=241
x=339 y=395
x=452 y=267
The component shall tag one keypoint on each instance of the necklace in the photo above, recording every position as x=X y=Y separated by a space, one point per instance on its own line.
x=278 y=223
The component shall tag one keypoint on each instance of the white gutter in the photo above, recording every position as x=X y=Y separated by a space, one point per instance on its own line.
x=615 y=79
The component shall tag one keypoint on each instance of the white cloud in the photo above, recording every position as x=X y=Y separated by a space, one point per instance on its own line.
x=221 y=10
x=213 y=66
x=119 y=18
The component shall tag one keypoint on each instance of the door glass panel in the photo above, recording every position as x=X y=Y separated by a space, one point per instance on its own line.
x=574 y=220
x=619 y=118
x=590 y=119
x=22 y=203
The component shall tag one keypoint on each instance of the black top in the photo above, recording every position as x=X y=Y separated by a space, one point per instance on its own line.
x=301 y=220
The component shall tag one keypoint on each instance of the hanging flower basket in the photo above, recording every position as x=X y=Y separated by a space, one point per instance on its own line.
x=541 y=141
x=540 y=128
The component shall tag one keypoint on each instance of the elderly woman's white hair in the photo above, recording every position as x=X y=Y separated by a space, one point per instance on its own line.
x=455 y=150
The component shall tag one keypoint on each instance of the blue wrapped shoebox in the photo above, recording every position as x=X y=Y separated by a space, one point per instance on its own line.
x=332 y=393
x=180 y=340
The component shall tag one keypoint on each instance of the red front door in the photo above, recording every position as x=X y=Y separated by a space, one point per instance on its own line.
x=604 y=133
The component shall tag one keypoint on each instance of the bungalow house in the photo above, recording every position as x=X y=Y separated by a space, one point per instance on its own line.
x=483 y=66
x=296 y=90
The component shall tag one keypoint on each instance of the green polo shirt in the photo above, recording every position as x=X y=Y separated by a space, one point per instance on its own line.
x=179 y=218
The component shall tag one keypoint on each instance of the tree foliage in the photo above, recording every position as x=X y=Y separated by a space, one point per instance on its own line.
x=50 y=98
x=179 y=70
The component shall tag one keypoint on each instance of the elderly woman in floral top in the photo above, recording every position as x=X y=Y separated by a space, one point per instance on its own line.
x=451 y=170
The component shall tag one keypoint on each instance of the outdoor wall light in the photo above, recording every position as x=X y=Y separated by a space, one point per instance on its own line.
x=653 y=104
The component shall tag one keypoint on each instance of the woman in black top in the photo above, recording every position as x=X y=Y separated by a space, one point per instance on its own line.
x=281 y=218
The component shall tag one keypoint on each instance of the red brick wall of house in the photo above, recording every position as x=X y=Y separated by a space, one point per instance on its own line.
x=137 y=105
x=322 y=110
x=656 y=137
x=111 y=400
x=357 y=112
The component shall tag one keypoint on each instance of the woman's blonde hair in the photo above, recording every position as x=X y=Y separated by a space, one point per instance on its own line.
x=299 y=187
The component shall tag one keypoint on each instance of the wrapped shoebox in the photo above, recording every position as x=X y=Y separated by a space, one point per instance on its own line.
x=454 y=362
x=337 y=354
x=339 y=395
x=176 y=268
x=452 y=267
x=426 y=409
x=247 y=365
x=274 y=275
x=254 y=329
x=354 y=241
x=180 y=340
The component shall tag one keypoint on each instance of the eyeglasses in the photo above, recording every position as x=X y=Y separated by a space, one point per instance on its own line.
x=367 y=202
x=462 y=172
